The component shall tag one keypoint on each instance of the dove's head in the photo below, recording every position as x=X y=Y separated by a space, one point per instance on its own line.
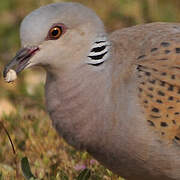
x=61 y=35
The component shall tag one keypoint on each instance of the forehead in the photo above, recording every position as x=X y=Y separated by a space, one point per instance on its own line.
x=35 y=26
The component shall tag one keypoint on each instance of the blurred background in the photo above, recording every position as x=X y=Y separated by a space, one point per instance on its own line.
x=22 y=109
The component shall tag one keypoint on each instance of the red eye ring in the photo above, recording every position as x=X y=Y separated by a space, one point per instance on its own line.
x=56 y=31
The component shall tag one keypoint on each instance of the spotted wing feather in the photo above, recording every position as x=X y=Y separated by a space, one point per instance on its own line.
x=159 y=89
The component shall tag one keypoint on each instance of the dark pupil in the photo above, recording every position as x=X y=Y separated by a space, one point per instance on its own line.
x=55 y=32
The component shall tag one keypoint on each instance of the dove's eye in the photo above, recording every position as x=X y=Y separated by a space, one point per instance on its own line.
x=55 y=32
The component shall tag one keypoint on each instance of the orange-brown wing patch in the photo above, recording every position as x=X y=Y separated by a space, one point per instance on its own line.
x=159 y=89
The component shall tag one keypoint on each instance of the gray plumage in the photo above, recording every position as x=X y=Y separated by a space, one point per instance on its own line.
x=109 y=93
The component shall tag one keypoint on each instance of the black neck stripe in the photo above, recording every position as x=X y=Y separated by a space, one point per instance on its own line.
x=98 y=57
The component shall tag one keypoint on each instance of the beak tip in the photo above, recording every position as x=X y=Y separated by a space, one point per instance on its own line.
x=5 y=72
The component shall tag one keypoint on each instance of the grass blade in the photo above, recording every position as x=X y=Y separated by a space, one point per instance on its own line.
x=26 y=169
x=84 y=175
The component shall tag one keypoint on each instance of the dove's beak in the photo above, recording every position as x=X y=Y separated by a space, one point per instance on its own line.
x=21 y=60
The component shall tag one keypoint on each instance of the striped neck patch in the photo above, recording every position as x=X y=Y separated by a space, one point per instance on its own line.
x=100 y=51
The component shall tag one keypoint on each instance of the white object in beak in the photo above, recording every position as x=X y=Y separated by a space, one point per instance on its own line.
x=10 y=76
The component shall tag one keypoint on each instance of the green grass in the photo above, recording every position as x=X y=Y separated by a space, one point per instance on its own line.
x=26 y=119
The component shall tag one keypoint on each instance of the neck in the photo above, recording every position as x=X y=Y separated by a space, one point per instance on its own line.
x=77 y=102
x=91 y=114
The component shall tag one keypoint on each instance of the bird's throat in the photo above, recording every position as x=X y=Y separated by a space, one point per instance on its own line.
x=74 y=108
